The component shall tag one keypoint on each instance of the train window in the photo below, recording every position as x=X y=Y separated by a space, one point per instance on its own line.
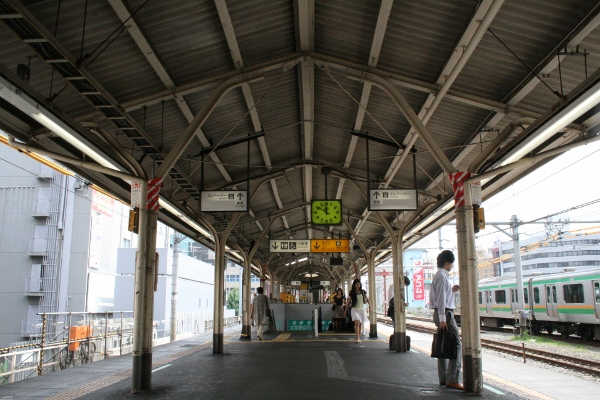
x=548 y=294
x=554 y=294
x=512 y=295
x=526 y=295
x=573 y=293
x=481 y=297
x=500 y=297
x=597 y=291
x=536 y=295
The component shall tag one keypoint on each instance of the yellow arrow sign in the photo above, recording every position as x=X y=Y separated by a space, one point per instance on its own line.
x=329 y=246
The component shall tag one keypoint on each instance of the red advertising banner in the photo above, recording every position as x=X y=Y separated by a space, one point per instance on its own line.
x=419 y=284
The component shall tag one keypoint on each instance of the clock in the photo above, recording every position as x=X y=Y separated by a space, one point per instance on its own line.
x=326 y=212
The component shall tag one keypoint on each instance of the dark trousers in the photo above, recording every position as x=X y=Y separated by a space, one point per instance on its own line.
x=449 y=370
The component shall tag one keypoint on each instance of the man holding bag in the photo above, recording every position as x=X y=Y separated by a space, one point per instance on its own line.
x=441 y=299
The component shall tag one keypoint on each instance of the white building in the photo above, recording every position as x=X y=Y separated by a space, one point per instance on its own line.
x=195 y=290
x=58 y=246
x=553 y=254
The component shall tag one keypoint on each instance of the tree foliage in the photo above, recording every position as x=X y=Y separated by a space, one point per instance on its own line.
x=233 y=300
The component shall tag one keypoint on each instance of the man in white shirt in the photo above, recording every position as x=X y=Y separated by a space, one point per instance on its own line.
x=441 y=299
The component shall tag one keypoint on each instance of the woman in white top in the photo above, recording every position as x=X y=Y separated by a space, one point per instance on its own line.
x=357 y=300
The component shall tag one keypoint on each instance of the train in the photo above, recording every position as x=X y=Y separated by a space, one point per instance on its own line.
x=567 y=302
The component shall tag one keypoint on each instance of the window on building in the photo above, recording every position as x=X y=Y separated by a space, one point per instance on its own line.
x=126 y=243
x=232 y=278
x=254 y=278
x=500 y=296
x=573 y=293
x=536 y=295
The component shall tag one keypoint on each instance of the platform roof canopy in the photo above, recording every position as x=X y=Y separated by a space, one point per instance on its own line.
x=278 y=97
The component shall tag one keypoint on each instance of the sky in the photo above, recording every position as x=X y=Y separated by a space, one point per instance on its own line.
x=568 y=181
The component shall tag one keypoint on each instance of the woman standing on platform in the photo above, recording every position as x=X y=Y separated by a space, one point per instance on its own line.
x=358 y=299
x=339 y=312
x=259 y=311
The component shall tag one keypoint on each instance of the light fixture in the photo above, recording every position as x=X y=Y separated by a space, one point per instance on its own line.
x=169 y=207
x=14 y=96
x=570 y=113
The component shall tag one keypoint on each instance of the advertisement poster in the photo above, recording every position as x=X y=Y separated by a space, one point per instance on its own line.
x=419 y=282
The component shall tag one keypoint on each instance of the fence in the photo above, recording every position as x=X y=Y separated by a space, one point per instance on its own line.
x=69 y=339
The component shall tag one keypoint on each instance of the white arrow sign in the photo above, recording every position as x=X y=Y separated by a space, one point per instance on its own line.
x=224 y=200
x=392 y=199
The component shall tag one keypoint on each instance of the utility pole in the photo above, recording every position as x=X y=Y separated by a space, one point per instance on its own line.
x=174 y=277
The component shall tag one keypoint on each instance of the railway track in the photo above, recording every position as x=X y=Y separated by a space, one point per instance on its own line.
x=568 y=362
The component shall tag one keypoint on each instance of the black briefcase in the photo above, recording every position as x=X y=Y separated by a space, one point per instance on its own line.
x=444 y=345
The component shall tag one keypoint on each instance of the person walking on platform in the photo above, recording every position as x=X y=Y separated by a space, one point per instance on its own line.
x=357 y=300
x=339 y=311
x=441 y=299
x=259 y=311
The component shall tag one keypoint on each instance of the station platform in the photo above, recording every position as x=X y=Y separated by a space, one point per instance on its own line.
x=295 y=365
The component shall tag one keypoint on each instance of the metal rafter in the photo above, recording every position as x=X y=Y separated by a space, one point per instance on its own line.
x=380 y=28
x=483 y=17
x=305 y=29
x=238 y=62
x=151 y=55
x=81 y=80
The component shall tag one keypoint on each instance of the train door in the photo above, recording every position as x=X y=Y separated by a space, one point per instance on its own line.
x=596 y=285
x=514 y=303
x=551 y=300
x=488 y=302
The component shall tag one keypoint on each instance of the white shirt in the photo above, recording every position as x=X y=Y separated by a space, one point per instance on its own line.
x=441 y=296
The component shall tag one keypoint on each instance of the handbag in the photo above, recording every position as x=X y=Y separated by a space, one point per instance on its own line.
x=444 y=345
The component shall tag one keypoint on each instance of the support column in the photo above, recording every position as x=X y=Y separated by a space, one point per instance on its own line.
x=150 y=272
x=174 y=278
x=372 y=295
x=399 y=300
x=470 y=326
x=247 y=300
x=218 y=327
x=518 y=269
x=139 y=292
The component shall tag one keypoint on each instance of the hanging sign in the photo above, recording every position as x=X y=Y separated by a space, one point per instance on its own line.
x=329 y=246
x=289 y=246
x=392 y=199
x=224 y=201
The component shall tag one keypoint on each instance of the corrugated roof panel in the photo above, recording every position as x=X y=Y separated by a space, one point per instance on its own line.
x=531 y=30
x=345 y=29
x=264 y=30
x=421 y=36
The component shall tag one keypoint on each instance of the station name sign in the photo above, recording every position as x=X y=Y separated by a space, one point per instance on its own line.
x=310 y=246
x=224 y=201
x=392 y=199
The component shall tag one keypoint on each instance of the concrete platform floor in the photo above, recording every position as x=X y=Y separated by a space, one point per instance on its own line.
x=295 y=366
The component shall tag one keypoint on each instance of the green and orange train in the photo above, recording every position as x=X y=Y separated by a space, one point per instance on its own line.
x=566 y=302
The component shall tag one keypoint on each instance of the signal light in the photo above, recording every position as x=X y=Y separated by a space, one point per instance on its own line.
x=134 y=218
